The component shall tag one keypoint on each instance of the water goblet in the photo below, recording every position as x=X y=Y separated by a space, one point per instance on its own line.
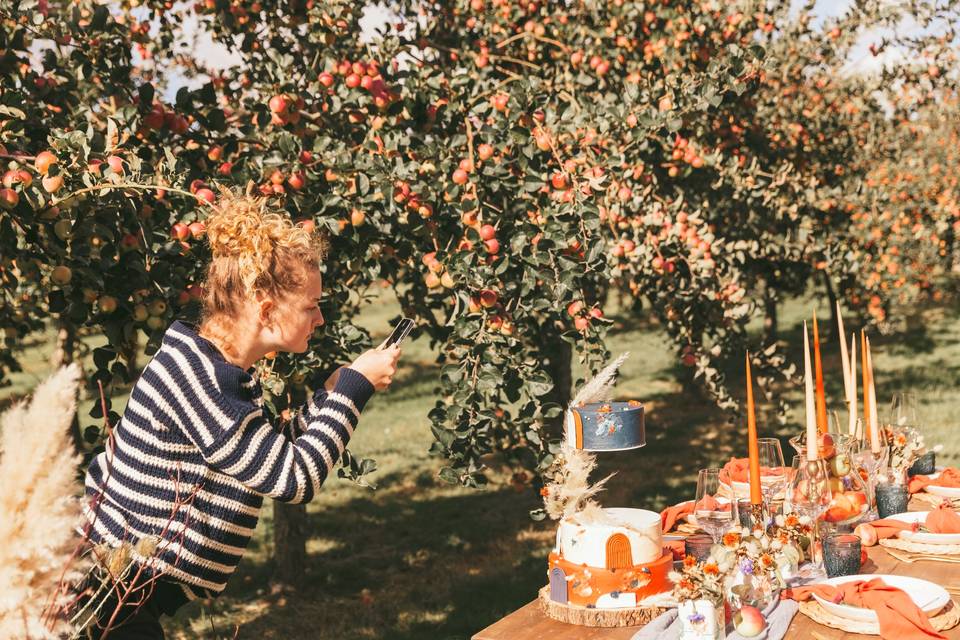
x=712 y=516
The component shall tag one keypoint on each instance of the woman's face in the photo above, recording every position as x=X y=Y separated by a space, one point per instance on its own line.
x=297 y=315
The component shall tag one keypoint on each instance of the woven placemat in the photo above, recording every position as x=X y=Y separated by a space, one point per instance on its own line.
x=919 y=547
x=947 y=618
x=929 y=500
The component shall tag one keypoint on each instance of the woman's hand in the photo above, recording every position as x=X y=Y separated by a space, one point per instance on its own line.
x=378 y=366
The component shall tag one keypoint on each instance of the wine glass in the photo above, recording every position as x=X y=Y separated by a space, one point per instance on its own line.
x=712 y=516
x=903 y=410
x=773 y=475
x=809 y=494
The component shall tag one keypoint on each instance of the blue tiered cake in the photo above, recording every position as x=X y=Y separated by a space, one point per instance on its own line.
x=606 y=426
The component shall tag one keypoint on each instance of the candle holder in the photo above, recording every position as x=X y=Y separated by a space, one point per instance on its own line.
x=698 y=546
x=809 y=494
x=924 y=465
x=892 y=498
x=841 y=554
x=748 y=514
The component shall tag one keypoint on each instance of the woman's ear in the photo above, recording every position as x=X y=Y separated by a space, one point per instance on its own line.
x=265 y=311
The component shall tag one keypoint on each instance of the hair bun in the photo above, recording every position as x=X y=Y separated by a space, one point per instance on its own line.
x=243 y=227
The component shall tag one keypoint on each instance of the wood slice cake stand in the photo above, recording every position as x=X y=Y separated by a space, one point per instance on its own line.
x=590 y=617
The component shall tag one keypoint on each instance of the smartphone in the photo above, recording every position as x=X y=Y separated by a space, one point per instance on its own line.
x=399 y=332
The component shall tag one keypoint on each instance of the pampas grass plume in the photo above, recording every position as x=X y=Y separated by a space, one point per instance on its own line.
x=39 y=504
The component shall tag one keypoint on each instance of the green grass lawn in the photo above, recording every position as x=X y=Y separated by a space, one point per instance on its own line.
x=417 y=558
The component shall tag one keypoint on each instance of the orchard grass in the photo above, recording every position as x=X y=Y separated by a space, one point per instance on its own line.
x=417 y=558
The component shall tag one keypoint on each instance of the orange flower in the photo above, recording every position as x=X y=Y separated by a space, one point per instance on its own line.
x=544 y=492
x=711 y=568
x=731 y=538
x=689 y=561
x=767 y=560
x=792 y=520
x=686 y=584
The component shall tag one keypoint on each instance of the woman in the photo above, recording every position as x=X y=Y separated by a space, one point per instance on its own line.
x=194 y=454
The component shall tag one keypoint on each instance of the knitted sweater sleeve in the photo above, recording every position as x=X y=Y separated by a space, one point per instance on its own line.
x=247 y=447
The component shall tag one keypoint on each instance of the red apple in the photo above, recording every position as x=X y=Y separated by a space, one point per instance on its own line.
x=749 y=621
x=197 y=229
x=9 y=198
x=180 y=232
x=492 y=246
x=107 y=304
x=582 y=323
x=61 y=274
x=488 y=232
x=574 y=308
x=206 y=195
x=15 y=176
x=484 y=151
x=352 y=81
x=116 y=164
x=460 y=177
x=43 y=161
x=297 y=180
x=559 y=181
x=357 y=217
x=279 y=104
x=52 y=184
x=326 y=79
x=488 y=298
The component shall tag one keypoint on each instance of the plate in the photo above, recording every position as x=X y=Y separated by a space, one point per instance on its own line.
x=923 y=537
x=943 y=492
x=930 y=597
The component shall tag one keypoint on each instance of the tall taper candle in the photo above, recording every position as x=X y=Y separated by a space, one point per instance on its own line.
x=753 y=448
x=821 y=398
x=867 y=424
x=874 y=423
x=844 y=359
x=853 y=387
x=813 y=447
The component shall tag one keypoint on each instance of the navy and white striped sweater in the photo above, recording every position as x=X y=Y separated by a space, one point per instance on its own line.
x=194 y=431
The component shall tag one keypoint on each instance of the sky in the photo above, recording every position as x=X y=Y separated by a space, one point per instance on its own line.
x=376 y=15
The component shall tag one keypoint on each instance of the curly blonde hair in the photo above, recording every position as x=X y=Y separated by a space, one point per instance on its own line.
x=255 y=249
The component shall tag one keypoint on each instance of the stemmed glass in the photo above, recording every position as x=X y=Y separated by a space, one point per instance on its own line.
x=873 y=466
x=809 y=494
x=773 y=475
x=903 y=410
x=712 y=517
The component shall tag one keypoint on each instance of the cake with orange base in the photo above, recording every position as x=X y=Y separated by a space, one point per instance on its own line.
x=613 y=561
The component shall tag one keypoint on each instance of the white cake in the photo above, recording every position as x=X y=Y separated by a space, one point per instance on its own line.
x=612 y=563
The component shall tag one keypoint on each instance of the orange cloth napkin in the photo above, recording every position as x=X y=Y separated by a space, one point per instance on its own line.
x=900 y=618
x=670 y=515
x=677 y=548
x=943 y=519
x=889 y=528
x=738 y=470
x=949 y=477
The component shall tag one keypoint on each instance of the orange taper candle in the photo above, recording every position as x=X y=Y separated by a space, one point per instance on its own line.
x=753 y=448
x=813 y=445
x=818 y=368
x=865 y=365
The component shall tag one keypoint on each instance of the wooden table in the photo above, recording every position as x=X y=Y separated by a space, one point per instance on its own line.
x=529 y=623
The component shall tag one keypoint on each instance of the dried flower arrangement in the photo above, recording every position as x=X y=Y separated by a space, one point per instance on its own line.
x=764 y=562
